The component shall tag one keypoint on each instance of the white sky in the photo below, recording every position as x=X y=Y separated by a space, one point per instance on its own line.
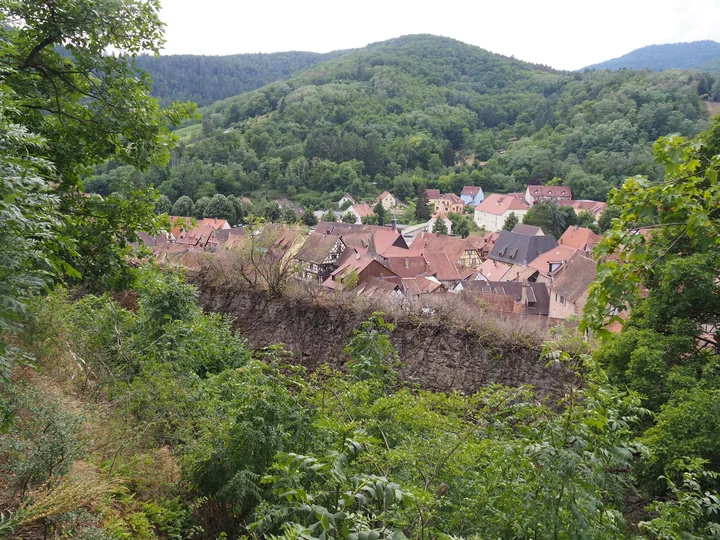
x=565 y=34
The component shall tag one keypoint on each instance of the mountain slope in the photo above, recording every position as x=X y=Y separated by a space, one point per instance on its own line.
x=694 y=55
x=428 y=110
x=205 y=79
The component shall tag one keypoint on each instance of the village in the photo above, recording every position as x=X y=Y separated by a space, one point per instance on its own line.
x=519 y=272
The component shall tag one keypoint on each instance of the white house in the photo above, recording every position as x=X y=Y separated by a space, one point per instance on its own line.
x=388 y=200
x=346 y=198
x=495 y=209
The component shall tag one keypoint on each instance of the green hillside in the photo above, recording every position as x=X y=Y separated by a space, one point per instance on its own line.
x=425 y=109
x=205 y=79
x=694 y=55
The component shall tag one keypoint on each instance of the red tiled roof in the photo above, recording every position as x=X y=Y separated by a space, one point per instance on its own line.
x=559 y=254
x=362 y=210
x=432 y=194
x=549 y=191
x=385 y=238
x=407 y=267
x=420 y=285
x=493 y=270
x=579 y=238
x=383 y=195
x=470 y=190
x=499 y=204
x=377 y=287
x=442 y=267
x=454 y=199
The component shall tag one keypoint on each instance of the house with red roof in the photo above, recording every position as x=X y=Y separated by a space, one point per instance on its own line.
x=432 y=195
x=535 y=194
x=450 y=204
x=569 y=291
x=495 y=209
x=580 y=238
x=361 y=211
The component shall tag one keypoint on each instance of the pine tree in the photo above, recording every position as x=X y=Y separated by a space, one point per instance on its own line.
x=422 y=207
x=510 y=222
x=380 y=212
x=440 y=226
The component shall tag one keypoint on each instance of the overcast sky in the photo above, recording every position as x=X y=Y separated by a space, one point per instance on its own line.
x=565 y=34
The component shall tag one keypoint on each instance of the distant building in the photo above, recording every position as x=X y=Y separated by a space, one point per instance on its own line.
x=345 y=199
x=472 y=195
x=387 y=200
x=285 y=203
x=529 y=230
x=569 y=290
x=320 y=255
x=450 y=204
x=535 y=194
x=514 y=248
x=361 y=211
x=495 y=209
x=432 y=195
x=594 y=207
x=580 y=238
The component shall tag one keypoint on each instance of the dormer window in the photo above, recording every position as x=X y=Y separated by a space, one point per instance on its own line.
x=536 y=191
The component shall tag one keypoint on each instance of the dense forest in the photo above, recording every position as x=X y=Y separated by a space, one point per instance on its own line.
x=205 y=79
x=426 y=110
x=128 y=412
x=701 y=55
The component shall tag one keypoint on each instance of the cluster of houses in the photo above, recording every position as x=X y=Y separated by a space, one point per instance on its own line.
x=494 y=210
x=512 y=272
x=519 y=272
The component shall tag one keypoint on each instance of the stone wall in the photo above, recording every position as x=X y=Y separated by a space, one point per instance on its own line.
x=434 y=354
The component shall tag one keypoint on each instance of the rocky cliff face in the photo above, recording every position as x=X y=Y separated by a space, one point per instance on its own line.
x=434 y=354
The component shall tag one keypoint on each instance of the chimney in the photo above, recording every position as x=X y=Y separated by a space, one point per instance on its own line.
x=407 y=263
x=525 y=287
x=394 y=224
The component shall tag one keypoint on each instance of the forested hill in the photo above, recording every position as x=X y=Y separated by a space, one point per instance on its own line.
x=205 y=79
x=704 y=55
x=425 y=109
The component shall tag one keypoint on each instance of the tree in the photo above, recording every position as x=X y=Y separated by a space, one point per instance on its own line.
x=348 y=217
x=380 y=212
x=460 y=225
x=372 y=354
x=163 y=205
x=29 y=221
x=328 y=216
x=273 y=212
x=220 y=208
x=550 y=217
x=510 y=222
x=440 y=226
x=605 y=219
x=90 y=106
x=183 y=207
x=587 y=219
x=309 y=219
x=422 y=207
x=200 y=206
x=289 y=216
